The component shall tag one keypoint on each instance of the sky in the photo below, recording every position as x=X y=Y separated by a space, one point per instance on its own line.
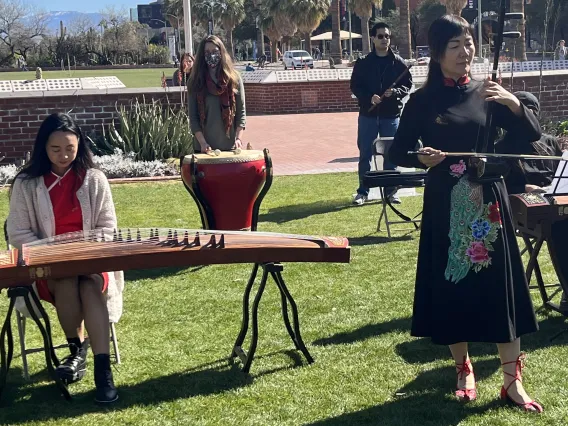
x=84 y=6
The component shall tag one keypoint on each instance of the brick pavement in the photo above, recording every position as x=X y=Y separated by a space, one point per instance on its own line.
x=306 y=143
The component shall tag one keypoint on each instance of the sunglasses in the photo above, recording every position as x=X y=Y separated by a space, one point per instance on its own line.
x=381 y=36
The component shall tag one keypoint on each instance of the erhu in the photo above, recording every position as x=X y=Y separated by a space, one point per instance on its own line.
x=491 y=166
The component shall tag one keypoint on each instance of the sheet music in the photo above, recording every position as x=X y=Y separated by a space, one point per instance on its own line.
x=559 y=184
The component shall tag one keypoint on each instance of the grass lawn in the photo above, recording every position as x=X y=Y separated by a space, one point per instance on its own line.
x=179 y=326
x=130 y=78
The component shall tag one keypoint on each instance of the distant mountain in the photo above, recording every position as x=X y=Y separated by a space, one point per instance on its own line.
x=53 y=19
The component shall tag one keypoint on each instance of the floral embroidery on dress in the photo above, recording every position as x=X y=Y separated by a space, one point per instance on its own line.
x=474 y=227
x=457 y=170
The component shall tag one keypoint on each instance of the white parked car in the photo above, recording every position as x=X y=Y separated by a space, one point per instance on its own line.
x=297 y=59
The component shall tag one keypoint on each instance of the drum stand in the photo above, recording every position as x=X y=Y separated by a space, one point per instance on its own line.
x=50 y=357
x=275 y=270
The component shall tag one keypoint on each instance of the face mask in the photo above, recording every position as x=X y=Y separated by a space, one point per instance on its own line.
x=212 y=59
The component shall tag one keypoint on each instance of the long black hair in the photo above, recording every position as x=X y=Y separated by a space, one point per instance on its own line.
x=40 y=164
x=440 y=33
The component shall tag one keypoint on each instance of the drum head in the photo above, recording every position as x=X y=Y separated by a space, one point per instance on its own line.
x=244 y=156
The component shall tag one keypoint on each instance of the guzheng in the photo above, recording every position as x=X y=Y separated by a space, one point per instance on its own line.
x=83 y=253
x=532 y=209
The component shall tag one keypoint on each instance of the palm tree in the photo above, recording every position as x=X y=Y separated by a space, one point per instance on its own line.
x=335 y=31
x=454 y=7
x=232 y=15
x=364 y=9
x=308 y=14
x=405 y=47
x=520 y=47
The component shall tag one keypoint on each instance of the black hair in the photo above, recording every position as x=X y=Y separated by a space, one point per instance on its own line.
x=440 y=33
x=377 y=27
x=40 y=164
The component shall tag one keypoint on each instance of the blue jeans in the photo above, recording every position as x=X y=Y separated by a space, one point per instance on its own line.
x=369 y=129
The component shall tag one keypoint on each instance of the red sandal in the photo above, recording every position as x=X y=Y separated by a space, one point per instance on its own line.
x=464 y=394
x=531 y=406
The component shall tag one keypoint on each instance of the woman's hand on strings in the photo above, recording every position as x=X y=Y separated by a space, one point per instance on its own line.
x=494 y=92
x=431 y=157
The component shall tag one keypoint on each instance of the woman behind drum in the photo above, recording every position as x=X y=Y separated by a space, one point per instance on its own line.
x=470 y=281
x=181 y=76
x=216 y=98
x=58 y=192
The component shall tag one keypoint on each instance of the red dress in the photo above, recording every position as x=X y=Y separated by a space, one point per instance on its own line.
x=68 y=215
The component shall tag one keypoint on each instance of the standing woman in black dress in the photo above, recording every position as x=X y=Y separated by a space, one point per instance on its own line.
x=470 y=282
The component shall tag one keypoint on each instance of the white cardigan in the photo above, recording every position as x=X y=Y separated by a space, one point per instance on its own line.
x=31 y=218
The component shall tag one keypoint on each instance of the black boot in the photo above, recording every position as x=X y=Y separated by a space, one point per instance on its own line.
x=106 y=392
x=72 y=368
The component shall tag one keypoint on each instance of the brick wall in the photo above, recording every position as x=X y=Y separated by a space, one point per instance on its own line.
x=289 y=98
x=21 y=113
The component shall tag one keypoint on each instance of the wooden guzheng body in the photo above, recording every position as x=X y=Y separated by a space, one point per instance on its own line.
x=85 y=253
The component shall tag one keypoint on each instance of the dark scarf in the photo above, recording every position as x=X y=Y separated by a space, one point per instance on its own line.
x=224 y=90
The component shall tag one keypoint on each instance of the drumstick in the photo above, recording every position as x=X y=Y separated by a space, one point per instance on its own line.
x=489 y=154
x=391 y=86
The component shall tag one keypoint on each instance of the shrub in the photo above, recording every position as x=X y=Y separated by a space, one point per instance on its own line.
x=149 y=130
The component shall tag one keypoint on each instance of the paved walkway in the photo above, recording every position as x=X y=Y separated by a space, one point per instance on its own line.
x=306 y=143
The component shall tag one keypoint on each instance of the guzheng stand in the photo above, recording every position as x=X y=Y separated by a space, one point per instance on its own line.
x=6 y=337
x=275 y=271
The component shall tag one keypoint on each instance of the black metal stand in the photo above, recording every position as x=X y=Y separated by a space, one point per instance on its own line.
x=6 y=358
x=275 y=270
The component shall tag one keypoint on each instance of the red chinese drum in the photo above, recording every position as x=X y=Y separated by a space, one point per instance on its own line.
x=228 y=187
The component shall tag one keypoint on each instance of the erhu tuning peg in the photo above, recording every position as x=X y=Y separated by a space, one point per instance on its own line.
x=186 y=239
x=138 y=236
x=114 y=235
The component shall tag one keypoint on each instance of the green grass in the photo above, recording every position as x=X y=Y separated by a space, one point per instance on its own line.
x=179 y=326
x=131 y=78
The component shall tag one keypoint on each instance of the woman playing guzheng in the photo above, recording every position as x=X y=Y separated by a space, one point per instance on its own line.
x=58 y=192
x=470 y=281
x=216 y=98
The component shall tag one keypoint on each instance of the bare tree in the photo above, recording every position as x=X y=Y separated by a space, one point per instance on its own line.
x=21 y=29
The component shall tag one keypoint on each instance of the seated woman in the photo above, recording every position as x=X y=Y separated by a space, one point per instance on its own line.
x=534 y=176
x=57 y=192
x=216 y=98
x=181 y=76
x=470 y=281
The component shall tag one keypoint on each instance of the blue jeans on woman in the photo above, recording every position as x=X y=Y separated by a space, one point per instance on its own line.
x=369 y=129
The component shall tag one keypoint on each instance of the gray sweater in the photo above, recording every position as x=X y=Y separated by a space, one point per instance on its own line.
x=31 y=219
x=214 y=128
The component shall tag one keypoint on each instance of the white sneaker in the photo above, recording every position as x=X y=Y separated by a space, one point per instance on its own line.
x=394 y=199
x=359 y=199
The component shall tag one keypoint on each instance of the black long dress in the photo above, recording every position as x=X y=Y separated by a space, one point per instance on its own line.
x=470 y=281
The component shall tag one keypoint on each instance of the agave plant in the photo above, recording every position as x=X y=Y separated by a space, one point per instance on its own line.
x=150 y=131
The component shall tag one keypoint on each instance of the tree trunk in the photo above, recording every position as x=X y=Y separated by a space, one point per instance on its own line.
x=405 y=46
x=259 y=43
x=335 y=32
x=308 y=44
x=520 y=43
x=230 y=47
x=273 y=50
x=365 y=34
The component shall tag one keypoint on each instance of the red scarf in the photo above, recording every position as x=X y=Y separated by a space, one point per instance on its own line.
x=224 y=89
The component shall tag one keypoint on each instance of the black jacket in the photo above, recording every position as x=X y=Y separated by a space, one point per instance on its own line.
x=367 y=80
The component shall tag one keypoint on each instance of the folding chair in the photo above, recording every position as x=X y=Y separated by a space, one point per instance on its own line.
x=392 y=178
x=21 y=321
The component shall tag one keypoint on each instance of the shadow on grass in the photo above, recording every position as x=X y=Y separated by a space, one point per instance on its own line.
x=426 y=401
x=143 y=274
x=23 y=402
x=422 y=350
x=370 y=240
x=301 y=211
x=365 y=332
